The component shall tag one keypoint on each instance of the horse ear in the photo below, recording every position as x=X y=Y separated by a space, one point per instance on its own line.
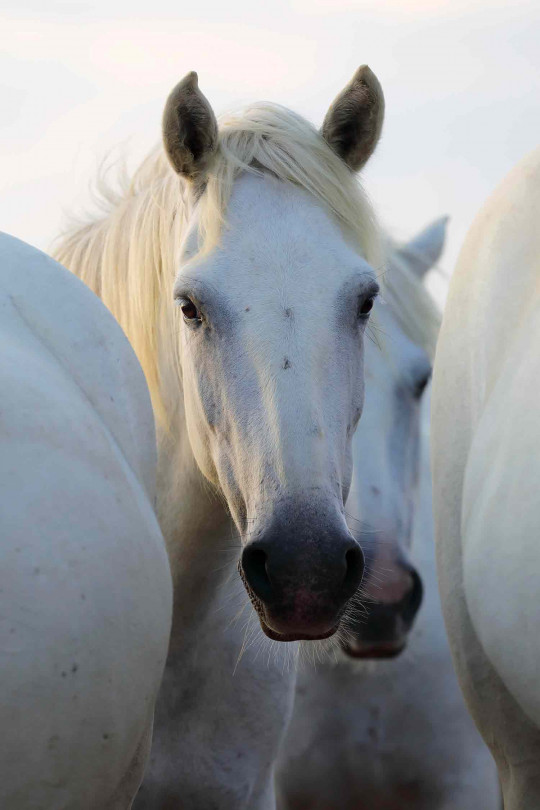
x=190 y=130
x=426 y=248
x=353 y=123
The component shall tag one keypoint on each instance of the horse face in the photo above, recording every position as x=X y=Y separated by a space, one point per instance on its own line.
x=272 y=358
x=272 y=355
x=386 y=452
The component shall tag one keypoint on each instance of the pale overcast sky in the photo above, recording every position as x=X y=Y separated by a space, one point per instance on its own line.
x=79 y=79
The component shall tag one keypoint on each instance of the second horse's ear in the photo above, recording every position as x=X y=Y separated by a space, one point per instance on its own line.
x=425 y=249
x=190 y=130
x=353 y=123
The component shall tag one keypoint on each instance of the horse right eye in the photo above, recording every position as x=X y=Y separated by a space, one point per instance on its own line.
x=189 y=310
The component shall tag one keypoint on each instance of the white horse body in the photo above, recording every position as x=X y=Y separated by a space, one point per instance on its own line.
x=266 y=239
x=395 y=733
x=250 y=703
x=485 y=450
x=86 y=590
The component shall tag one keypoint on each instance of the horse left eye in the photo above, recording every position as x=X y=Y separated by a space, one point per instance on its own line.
x=421 y=385
x=366 y=306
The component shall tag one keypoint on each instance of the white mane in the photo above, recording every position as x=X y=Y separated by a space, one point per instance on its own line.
x=130 y=256
x=405 y=293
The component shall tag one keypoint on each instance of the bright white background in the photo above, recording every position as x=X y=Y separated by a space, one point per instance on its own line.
x=79 y=79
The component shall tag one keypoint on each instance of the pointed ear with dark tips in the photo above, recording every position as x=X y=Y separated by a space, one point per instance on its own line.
x=190 y=130
x=353 y=123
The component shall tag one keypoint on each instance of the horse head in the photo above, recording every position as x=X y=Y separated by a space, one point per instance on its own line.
x=275 y=290
x=386 y=451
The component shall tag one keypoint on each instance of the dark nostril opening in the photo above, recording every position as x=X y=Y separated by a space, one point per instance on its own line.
x=413 y=599
x=354 y=560
x=254 y=566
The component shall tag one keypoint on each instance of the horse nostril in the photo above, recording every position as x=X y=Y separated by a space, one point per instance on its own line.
x=254 y=566
x=354 y=560
x=413 y=599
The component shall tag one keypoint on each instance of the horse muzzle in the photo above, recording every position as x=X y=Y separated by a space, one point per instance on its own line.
x=300 y=575
x=385 y=631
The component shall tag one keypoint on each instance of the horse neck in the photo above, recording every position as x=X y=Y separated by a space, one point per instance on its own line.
x=201 y=539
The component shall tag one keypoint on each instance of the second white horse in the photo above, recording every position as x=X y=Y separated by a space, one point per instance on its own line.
x=395 y=733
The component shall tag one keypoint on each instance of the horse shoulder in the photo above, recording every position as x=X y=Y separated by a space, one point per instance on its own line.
x=85 y=574
x=501 y=515
x=483 y=437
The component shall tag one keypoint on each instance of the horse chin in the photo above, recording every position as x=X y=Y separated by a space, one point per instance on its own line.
x=371 y=651
x=302 y=636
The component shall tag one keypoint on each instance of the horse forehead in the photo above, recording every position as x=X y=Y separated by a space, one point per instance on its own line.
x=277 y=230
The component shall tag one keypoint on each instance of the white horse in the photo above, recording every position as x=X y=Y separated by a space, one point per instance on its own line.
x=485 y=453
x=257 y=380
x=386 y=449
x=85 y=586
x=396 y=734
